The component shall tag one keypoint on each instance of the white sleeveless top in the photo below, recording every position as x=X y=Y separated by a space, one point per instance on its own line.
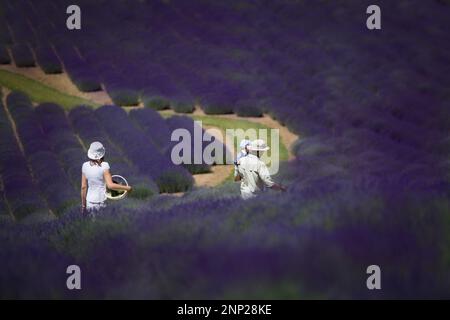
x=96 y=182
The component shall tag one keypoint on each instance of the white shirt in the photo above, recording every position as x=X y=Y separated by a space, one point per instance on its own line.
x=96 y=182
x=241 y=154
x=255 y=176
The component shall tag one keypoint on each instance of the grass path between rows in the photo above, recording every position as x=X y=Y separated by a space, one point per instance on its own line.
x=39 y=92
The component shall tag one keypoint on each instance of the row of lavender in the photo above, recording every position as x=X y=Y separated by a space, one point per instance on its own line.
x=276 y=247
x=86 y=126
x=19 y=36
x=332 y=80
x=146 y=118
x=142 y=151
x=202 y=57
x=4 y=211
x=139 y=147
x=20 y=191
x=51 y=178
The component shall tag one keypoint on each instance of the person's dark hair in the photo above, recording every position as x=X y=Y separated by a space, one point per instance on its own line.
x=97 y=162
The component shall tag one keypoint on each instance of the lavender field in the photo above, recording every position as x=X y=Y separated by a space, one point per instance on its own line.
x=370 y=182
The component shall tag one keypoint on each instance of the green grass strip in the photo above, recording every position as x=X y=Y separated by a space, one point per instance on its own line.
x=223 y=124
x=39 y=92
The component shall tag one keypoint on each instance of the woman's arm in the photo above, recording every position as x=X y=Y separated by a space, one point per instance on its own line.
x=264 y=175
x=114 y=186
x=279 y=187
x=83 y=190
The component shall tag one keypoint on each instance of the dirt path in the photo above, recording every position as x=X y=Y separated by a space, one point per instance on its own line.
x=219 y=173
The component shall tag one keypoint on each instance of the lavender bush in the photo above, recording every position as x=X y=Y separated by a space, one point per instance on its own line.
x=369 y=183
x=183 y=107
x=123 y=96
x=267 y=254
x=89 y=129
x=184 y=122
x=47 y=60
x=19 y=189
x=51 y=178
x=22 y=55
x=155 y=102
x=79 y=72
x=4 y=55
x=5 y=36
x=247 y=108
x=142 y=151
x=63 y=141
x=154 y=126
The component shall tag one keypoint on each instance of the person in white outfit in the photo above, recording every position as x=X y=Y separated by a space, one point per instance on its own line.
x=244 y=152
x=253 y=172
x=95 y=177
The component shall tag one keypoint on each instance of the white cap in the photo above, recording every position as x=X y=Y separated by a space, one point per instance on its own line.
x=244 y=143
x=96 y=151
x=258 y=145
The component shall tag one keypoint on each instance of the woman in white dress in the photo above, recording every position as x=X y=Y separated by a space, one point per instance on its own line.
x=95 y=177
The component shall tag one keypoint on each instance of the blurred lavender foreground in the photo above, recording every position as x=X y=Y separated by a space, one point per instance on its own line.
x=369 y=185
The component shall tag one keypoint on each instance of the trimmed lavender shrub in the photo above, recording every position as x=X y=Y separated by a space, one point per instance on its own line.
x=89 y=129
x=19 y=190
x=85 y=81
x=3 y=207
x=22 y=55
x=216 y=104
x=141 y=151
x=183 y=107
x=53 y=182
x=217 y=108
x=177 y=122
x=248 y=108
x=21 y=30
x=64 y=143
x=5 y=36
x=170 y=231
x=56 y=127
x=4 y=55
x=47 y=60
x=155 y=102
x=154 y=126
x=51 y=178
x=82 y=75
x=123 y=96
x=17 y=98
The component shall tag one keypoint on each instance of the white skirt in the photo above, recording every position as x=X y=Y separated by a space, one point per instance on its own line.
x=95 y=206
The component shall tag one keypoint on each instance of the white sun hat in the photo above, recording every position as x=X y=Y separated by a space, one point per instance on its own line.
x=258 y=145
x=244 y=143
x=96 y=151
